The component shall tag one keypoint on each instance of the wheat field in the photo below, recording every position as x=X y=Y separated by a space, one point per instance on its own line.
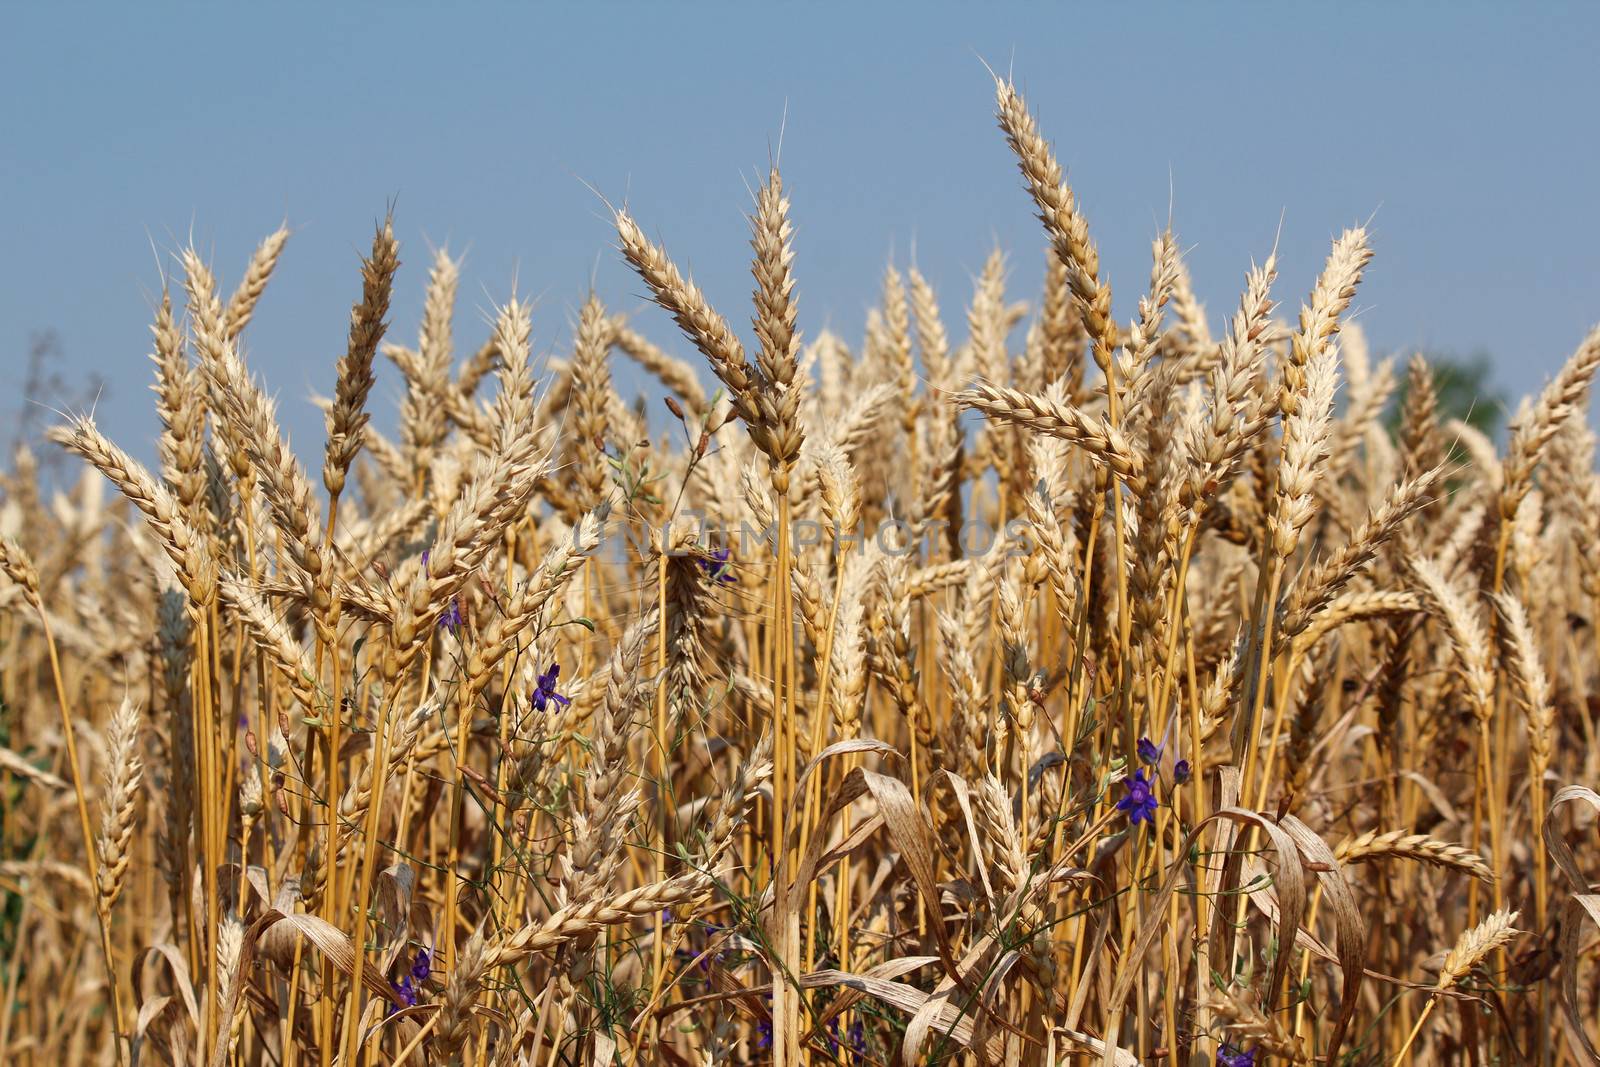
x=1017 y=685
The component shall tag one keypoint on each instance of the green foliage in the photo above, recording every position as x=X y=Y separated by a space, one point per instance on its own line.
x=1466 y=390
x=10 y=900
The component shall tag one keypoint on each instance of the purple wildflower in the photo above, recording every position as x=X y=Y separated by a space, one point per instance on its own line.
x=404 y=990
x=544 y=689
x=1140 y=804
x=858 y=1040
x=451 y=619
x=1182 y=772
x=422 y=966
x=1149 y=751
x=717 y=566
x=1229 y=1056
x=854 y=1039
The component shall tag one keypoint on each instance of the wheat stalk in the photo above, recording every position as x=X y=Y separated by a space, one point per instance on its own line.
x=124 y=773
x=1364 y=848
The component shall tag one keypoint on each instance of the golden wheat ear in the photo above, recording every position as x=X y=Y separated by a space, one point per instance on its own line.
x=347 y=419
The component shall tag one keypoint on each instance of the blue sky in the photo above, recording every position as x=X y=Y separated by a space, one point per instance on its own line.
x=1466 y=133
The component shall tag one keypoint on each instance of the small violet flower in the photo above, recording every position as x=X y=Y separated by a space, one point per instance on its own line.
x=854 y=1039
x=1140 y=804
x=545 y=689
x=1229 y=1056
x=717 y=567
x=451 y=619
x=1181 y=772
x=410 y=984
x=1149 y=751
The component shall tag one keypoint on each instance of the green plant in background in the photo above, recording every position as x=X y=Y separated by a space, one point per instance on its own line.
x=10 y=898
x=1465 y=389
